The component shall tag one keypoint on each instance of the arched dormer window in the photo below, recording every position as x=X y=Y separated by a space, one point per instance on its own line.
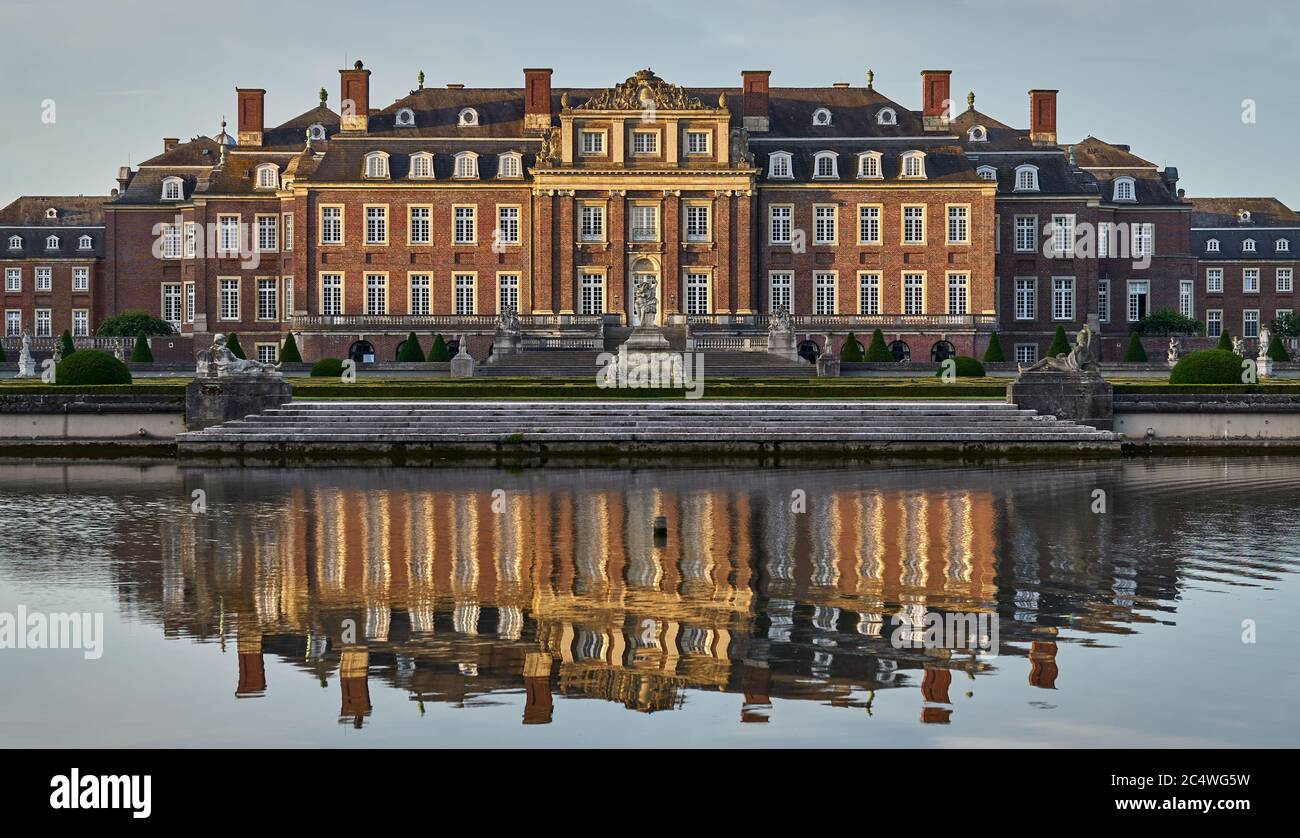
x=987 y=173
x=1026 y=178
x=1212 y=246
x=869 y=164
x=510 y=164
x=172 y=189
x=824 y=165
x=914 y=164
x=1283 y=245
x=1125 y=189
x=886 y=116
x=1243 y=216
x=51 y=213
x=466 y=165
x=977 y=134
x=377 y=164
x=421 y=165
x=15 y=242
x=85 y=243
x=405 y=118
x=821 y=117
x=1248 y=246
x=468 y=117
x=52 y=243
x=268 y=176
x=317 y=131
x=779 y=165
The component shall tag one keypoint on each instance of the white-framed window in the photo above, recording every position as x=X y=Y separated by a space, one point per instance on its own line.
x=913 y=224
x=80 y=323
x=268 y=298
x=13 y=280
x=1214 y=280
x=331 y=294
x=1250 y=323
x=1144 y=239
x=1105 y=231
x=15 y=242
x=228 y=234
x=268 y=176
x=1212 y=246
x=464 y=228
x=80 y=279
x=1248 y=246
x=886 y=116
x=914 y=164
x=591 y=294
x=1103 y=300
x=421 y=166
x=869 y=164
x=508 y=293
x=1026 y=178
x=228 y=299
x=317 y=131
x=779 y=166
x=779 y=229
x=267 y=353
x=1138 y=300
x=869 y=224
x=85 y=243
x=171 y=241
x=42 y=322
x=191 y=234
x=286 y=224
x=1186 y=294
x=697 y=293
x=172 y=304
x=987 y=173
x=1026 y=233
x=645 y=222
x=1213 y=322
x=52 y=243
x=44 y=279
x=507 y=224
x=1284 y=281
x=287 y=307
x=1026 y=353
x=189 y=302
x=1250 y=280
x=825 y=223
x=463 y=293
x=697 y=223
x=1063 y=235
x=697 y=142
x=824 y=292
x=958 y=293
x=825 y=165
x=593 y=142
x=376 y=225
x=173 y=189
x=1062 y=298
x=958 y=224
x=466 y=165
x=13 y=323
x=268 y=233
x=419 y=221
x=405 y=118
x=510 y=165
x=331 y=225
x=913 y=293
x=591 y=222
x=977 y=134
x=1282 y=245
x=780 y=291
x=645 y=142
x=869 y=292
x=377 y=164
x=1026 y=297
x=1125 y=189
x=419 y=287
x=467 y=117
x=821 y=117
x=376 y=294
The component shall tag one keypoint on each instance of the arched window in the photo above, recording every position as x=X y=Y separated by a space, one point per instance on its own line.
x=779 y=166
x=824 y=165
x=1243 y=216
x=1125 y=189
x=886 y=116
x=821 y=117
x=405 y=118
x=942 y=351
x=268 y=176
x=317 y=131
x=52 y=243
x=421 y=165
x=869 y=164
x=1283 y=245
x=51 y=213
x=377 y=164
x=977 y=134
x=1212 y=246
x=15 y=242
x=914 y=164
x=467 y=117
x=466 y=165
x=1026 y=178
x=172 y=189
x=900 y=351
x=85 y=243
x=1248 y=246
x=510 y=164
x=987 y=173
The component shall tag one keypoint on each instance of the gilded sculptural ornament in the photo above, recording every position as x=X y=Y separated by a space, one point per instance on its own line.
x=640 y=91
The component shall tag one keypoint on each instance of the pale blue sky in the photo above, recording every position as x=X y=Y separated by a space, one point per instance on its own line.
x=1166 y=77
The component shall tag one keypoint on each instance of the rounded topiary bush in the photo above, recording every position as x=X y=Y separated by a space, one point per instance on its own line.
x=327 y=368
x=91 y=366
x=1208 y=366
x=966 y=367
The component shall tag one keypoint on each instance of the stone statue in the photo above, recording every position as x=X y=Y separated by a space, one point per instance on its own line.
x=1175 y=350
x=226 y=364
x=1238 y=347
x=645 y=303
x=58 y=351
x=507 y=321
x=780 y=322
x=26 y=366
x=1077 y=360
x=1265 y=337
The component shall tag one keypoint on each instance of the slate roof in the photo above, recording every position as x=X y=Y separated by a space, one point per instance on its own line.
x=78 y=215
x=1223 y=212
x=345 y=159
x=1270 y=220
x=943 y=163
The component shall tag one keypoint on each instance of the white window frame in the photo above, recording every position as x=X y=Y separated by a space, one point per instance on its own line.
x=1284 y=279
x=958 y=216
x=1062 y=298
x=913 y=293
x=1125 y=190
x=871 y=221
x=1250 y=323
x=173 y=189
x=268 y=289
x=466 y=166
x=375 y=289
x=419 y=224
x=1213 y=322
x=870 y=289
x=464 y=224
x=831 y=162
x=419 y=293
x=912 y=166
x=825 y=293
x=1250 y=283
x=225 y=285
x=268 y=176
x=80 y=280
x=464 y=293
x=331 y=293
x=421 y=167
x=780 y=217
x=374 y=224
x=780 y=289
x=1025 y=297
x=826 y=223
x=1026 y=178
x=958 y=292
x=1214 y=280
x=780 y=165
x=375 y=165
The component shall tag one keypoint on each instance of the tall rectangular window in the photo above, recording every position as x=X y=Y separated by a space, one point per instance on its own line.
x=1026 y=233
x=645 y=222
x=171 y=304
x=780 y=297
x=465 y=225
x=591 y=223
x=287 y=226
x=823 y=292
x=591 y=297
x=1214 y=280
x=868 y=225
x=1138 y=292
x=1250 y=280
x=1104 y=229
x=1144 y=239
x=13 y=279
x=331 y=294
x=463 y=293
x=44 y=279
x=824 y=224
x=287 y=312
x=268 y=233
x=778 y=228
x=171 y=242
x=958 y=225
x=1062 y=298
x=13 y=323
x=42 y=322
x=1185 y=298
x=420 y=221
x=913 y=225
x=958 y=294
x=268 y=298
x=1103 y=300
x=508 y=294
x=420 y=293
x=228 y=299
x=80 y=323
x=1213 y=322
x=376 y=225
x=1250 y=323
x=697 y=293
x=913 y=294
x=228 y=234
x=376 y=294
x=868 y=293
x=331 y=225
x=1026 y=303
x=1063 y=235
x=508 y=225
x=189 y=302
x=697 y=222
x=1284 y=280
x=191 y=240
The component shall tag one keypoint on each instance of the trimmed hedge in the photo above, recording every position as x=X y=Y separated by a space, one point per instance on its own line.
x=1135 y=354
x=966 y=367
x=141 y=354
x=1207 y=366
x=1060 y=345
x=411 y=351
x=1277 y=350
x=877 y=352
x=289 y=351
x=327 y=368
x=852 y=351
x=232 y=343
x=91 y=367
x=993 y=354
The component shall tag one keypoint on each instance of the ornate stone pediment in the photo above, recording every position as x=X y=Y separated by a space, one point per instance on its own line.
x=641 y=91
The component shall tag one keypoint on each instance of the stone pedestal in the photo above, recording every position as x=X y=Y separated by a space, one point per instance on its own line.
x=828 y=366
x=1083 y=397
x=782 y=344
x=462 y=366
x=26 y=366
x=505 y=343
x=211 y=401
x=1264 y=367
x=646 y=338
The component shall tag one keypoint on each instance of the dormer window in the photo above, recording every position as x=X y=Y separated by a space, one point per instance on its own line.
x=1125 y=190
x=869 y=164
x=467 y=165
x=1248 y=246
x=779 y=165
x=821 y=117
x=405 y=118
x=977 y=134
x=421 y=165
x=172 y=189
x=1283 y=245
x=316 y=131
x=914 y=164
x=1212 y=246
x=377 y=164
x=987 y=173
x=85 y=243
x=52 y=243
x=15 y=242
x=510 y=164
x=824 y=165
x=886 y=116
x=51 y=213
x=268 y=176
x=1243 y=216
x=1026 y=178
x=468 y=118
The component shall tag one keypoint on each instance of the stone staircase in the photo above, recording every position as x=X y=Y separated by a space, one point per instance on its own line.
x=580 y=364
x=306 y=429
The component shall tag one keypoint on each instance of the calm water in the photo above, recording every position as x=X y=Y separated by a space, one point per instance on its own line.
x=396 y=607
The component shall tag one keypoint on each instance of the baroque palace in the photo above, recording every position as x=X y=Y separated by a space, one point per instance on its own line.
x=453 y=205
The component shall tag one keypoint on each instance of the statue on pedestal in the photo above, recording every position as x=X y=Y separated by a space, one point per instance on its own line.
x=1175 y=350
x=1265 y=338
x=780 y=322
x=26 y=366
x=1077 y=360
x=1238 y=347
x=219 y=362
x=645 y=301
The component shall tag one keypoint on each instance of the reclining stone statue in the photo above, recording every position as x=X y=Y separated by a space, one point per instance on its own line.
x=218 y=361
x=1077 y=360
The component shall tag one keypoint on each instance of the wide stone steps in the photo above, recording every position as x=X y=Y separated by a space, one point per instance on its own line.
x=581 y=364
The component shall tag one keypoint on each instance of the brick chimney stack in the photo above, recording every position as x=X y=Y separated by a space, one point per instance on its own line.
x=354 y=98
x=169 y=143
x=936 y=107
x=1042 y=117
x=537 y=99
x=252 y=110
x=754 y=104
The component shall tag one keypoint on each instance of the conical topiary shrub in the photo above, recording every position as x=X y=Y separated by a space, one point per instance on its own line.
x=68 y=346
x=2 y=353
x=993 y=354
x=289 y=352
x=877 y=352
x=141 y=354
x=852 y=351
x=1060 y=346
x=438 y=352
x=232 y=343
x=1277 y=350
x=411 y=351
x=1135 y=354
x=1225 y=341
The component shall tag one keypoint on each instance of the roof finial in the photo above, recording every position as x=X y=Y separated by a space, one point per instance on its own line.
x=970 y=100
x=308 y=139
x=323 y=97
x=871 y=75
x=1071 y=154
x=419 y=81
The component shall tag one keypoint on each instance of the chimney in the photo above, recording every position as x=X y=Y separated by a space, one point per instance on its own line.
x=1042 y=117
x=936 y=105
x=537 y=99
x=354 y=99
x=251 y=109
x=124 y=176
x=169 y=143
x=753 y=90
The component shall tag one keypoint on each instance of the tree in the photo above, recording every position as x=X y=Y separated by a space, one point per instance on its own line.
x=993 y=354
x=1225 y=341
x=1135 y=354
x=134 y=322
x=1167 y=322
x=289 y=351
x=232 y=343
x=1287 y=325
x=438 y=352
x=68 y=346
x=1277 y=350
x=877 y=352
x=141 y=353
x=851 y=351
x=411 y=352
x=1060 y=346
